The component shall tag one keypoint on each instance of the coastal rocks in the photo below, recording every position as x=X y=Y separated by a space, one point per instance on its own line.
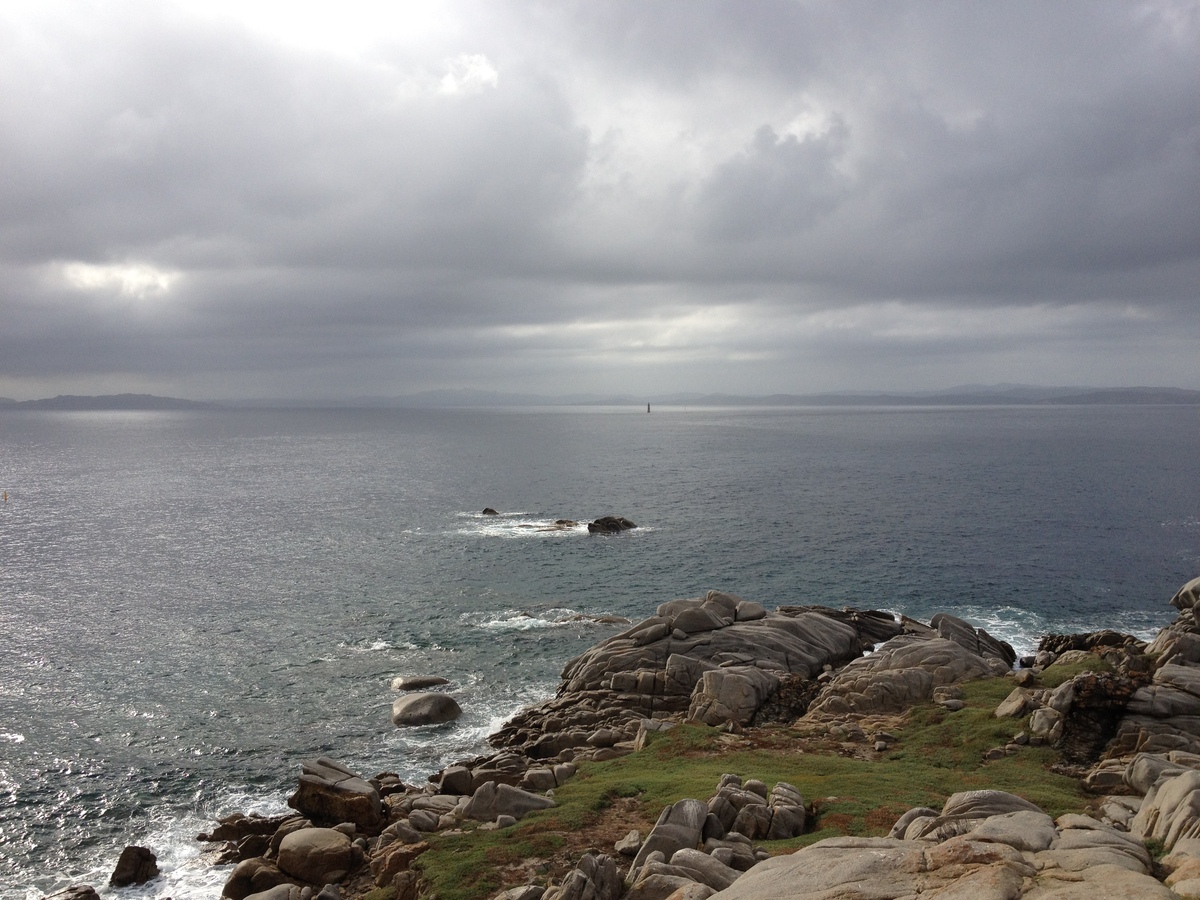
x=1171 y=810
x=1009 y=849
x=392 y=861
x=136 y=865
x=424 y=709
x=904 y=671
x=329 y=794
x=253 y=876
x=595 y=878
x=488 y=511
x=974 y=639
x=610 y=525
x=318 y=855
x=75 y=892
x=679 y=826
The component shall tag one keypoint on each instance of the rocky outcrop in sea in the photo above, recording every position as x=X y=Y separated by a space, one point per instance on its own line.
x=1125 y=722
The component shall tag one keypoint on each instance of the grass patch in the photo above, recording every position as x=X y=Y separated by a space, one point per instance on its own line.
x=937 y=753
x=1056 y=674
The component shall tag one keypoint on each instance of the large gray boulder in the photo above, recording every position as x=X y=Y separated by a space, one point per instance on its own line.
x=318 y=855
x=329 y=794
x=136 y=865
x=418 y=709
x=731 y=694
x=492 y=800
x=679 y=827
x=1171 y=810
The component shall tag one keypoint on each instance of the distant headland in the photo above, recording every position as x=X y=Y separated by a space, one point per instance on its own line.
x=968 y=395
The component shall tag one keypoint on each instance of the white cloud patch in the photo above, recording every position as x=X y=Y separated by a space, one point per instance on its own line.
x=469 y=73
x=136 y=281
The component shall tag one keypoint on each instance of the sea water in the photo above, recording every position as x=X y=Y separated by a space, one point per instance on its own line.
x=193 y=603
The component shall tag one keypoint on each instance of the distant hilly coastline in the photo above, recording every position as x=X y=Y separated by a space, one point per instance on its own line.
x=105 y=402
x=968 y=395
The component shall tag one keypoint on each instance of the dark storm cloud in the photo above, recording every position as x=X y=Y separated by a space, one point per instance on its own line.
x=710 y=195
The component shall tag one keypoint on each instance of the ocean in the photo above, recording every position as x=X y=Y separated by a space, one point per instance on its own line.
x=192 y=603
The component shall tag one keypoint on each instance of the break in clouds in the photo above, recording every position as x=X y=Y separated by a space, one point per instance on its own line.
x=618 y=196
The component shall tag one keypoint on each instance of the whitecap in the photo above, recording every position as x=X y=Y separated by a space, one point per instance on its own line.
x=12 y=737
x=520 y=620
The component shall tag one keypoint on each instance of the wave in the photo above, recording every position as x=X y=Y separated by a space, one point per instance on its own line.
x=520 y=620
x=519 y=525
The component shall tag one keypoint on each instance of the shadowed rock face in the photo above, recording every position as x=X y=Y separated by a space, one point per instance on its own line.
x=329 y=793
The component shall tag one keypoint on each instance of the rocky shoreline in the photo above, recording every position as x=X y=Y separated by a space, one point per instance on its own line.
x=1119 y=715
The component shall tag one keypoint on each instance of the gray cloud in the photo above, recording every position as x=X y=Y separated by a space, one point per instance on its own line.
x=549 y=196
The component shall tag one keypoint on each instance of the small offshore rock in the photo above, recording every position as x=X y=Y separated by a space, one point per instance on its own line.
x=417 y=682
x=424 y=709
x=488 y=511
x=136 y=865
x=610 y=525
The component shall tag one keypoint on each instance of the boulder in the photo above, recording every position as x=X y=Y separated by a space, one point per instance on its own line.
x=391 y=860
x=329 y=794
x=75 y=892
x=488 y=511
x=731 y=694
x=974 y=639
x=417 y=682
x=610 y=525
x=492 y=800
x=318 y=855
x=1171 y=810
x=280 y=892
x=424 y=709
x=252 y=876
x=679 y=827
x=136 y=865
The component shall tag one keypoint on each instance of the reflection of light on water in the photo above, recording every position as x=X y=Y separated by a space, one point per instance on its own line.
x=520 y=524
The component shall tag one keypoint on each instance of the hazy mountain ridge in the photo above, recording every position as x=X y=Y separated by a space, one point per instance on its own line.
x=966 y=395
x=76 y=403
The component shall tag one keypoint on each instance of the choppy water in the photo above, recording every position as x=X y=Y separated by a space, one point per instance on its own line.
x=192 y=603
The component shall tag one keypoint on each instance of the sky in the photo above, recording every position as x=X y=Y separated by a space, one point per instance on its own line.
x=230 y=199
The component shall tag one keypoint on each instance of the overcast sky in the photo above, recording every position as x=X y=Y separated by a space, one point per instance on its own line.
x=245 y=199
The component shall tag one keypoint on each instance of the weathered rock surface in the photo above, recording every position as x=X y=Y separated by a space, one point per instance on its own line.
x=1014 y=853
x=329 y=793
x=424 y=709
x=903 y=672
x=492 y=800
x=317 y=855
x=136 y=865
